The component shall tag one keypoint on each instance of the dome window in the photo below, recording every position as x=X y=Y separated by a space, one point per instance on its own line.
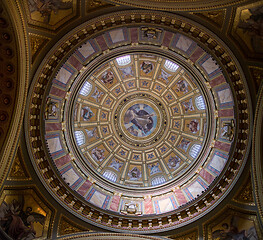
x=80 y=138
x=86 y=89
x=200 y=103
x=124 y=60
x=110 y=176
x=171 y=66
x=158 y=180
x=195 y=149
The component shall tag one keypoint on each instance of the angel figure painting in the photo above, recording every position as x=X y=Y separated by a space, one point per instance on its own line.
x=235 y=228
x=146 y=67
x=19 y=219
x=48 y=10
x=140 y=120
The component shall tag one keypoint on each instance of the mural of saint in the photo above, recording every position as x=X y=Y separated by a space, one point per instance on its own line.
x=96 y=95
x=46 y=7
x=140 y=120
x=146 y=67
x=86 y=113
x=107 y=77
x=232 y=232
x=18 y=221
x=98 y=154
x=135 y=174
x=126 y=72
x=188 y=105
x=164 y=76
x=174 y=162
x=154 y=168
x=184 y=144
x=92 y=133
x=182 y=86
x=253 y=25
x=193 y=126
x=116 y=164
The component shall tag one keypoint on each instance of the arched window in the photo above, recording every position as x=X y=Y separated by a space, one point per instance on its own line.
x=80 y=138
x=194 y=150
x=86 y=89
x=110 y=175
x=200 y=103
x=171 y=66
x=124 y=60
x=158 y=180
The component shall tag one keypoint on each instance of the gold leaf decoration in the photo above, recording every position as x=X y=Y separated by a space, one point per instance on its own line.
x=214 y=17
x=18 y=170
x=257 y=75
x=187 y=236
x=95 y=4
x=36 y=43
x=66 y=226
x=245 y=194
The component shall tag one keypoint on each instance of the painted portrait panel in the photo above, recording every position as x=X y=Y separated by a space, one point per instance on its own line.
x=23 y=215
x=50 y=14
x=234 y=224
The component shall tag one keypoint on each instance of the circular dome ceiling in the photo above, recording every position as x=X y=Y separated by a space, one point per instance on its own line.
x=139 y=121
x=139 y=124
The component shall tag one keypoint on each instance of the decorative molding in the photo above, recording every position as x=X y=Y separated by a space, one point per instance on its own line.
x=257 y=75
x=37 y=42
x=18 y=170
x=18 y=24
x=179 y=5
x=93 y=5
x=110 y=236
x=66 y=227
x=245 y=194
x=216 y=17
x=257 y=154
x=189 y=235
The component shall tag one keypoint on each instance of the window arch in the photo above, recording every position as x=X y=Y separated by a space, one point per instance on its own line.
x=124 y=60
x=110 y=175
x=80 y=137
x=86 y=89
x=200 y=103
x=158 y=180
x=194 y=150
x=171 y=66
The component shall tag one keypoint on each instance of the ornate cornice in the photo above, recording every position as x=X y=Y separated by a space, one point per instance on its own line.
x=21 y=80
x=179 y=5
x=257 y=154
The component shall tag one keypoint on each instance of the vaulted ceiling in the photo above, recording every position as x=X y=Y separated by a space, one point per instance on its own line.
x=134 y=117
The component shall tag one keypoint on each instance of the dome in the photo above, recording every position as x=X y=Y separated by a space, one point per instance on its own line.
x=138 y=121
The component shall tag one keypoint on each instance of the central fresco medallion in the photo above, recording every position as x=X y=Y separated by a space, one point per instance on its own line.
x=140 y=119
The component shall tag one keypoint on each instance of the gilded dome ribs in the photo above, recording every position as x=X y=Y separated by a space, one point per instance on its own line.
x=144 y=124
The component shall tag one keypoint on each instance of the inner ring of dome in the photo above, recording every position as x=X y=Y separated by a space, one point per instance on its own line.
x=139 y=121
